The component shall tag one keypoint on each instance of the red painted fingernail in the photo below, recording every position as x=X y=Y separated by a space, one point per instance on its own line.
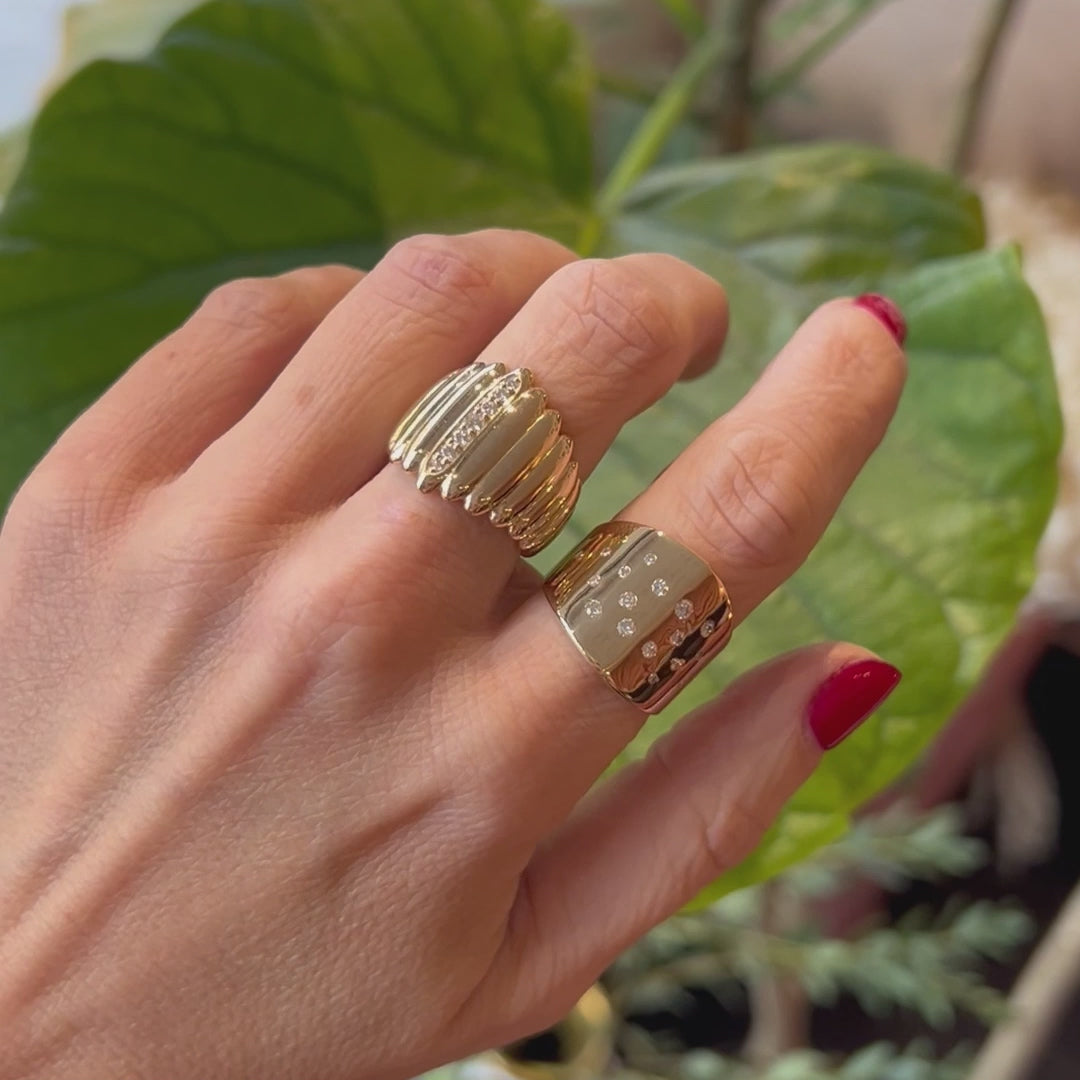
x=847 y=697
x=886 y=312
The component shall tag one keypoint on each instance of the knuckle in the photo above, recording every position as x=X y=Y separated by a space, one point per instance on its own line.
x=202 y=555
x=323 y=284
x=250 y=306
x=752 y=509
x=441 y=277
x=733 y=832
x=64 y=498
x=612 y=310
x=319 y=612
x=723 y=832
x=298 y=605
x=326 y=274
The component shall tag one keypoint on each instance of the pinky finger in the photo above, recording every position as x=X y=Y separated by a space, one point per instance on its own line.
x=642 y=845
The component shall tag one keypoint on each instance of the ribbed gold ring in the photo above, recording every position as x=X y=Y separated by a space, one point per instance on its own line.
x=485 y=435
x=645 y=611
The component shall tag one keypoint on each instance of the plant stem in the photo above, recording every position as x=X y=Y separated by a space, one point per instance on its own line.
x=737 y=23
x=973 y=98
x=686 y=16
x=1040 y=997
x=623 y=87
x=779 y=1010
x=669 y=108
x=628 y=90
x=782 y=81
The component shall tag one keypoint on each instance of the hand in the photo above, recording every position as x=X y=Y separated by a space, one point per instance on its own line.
x=294 y=760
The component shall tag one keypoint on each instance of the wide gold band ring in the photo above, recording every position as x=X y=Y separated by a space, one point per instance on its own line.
x=645 y=611
x=485 y=435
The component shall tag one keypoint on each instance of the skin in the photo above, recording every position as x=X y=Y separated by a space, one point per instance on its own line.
x=295 y=762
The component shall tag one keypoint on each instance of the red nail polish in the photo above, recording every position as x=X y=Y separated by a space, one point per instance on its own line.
x=886 y=312
x=847 y=697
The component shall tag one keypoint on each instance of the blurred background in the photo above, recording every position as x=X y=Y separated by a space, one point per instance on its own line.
x=916 y=914
x=29 y=50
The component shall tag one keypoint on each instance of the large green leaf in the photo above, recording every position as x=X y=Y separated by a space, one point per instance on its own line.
x=116 y=28
x=265 y=134
x=12 y=149
x=258 y=136
x=932 y=551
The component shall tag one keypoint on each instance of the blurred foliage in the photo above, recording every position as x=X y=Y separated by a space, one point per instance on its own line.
x=879 y=1061
x=115 y=28
x=928 y=963
x=813 y=15
x=12 y=150
x=260 y=135
x=814 y=28
x=892 y=849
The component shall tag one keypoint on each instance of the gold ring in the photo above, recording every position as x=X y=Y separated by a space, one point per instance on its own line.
x=485 y=435
x=645 y=611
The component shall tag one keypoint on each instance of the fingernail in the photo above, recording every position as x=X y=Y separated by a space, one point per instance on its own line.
x=886 y=312
x=847 y=697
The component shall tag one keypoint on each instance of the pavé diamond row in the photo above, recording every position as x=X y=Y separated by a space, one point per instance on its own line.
x=485 y=435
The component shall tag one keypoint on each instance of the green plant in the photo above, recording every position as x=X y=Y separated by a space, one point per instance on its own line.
x=878 y=1061
x=264 y=134
x=929 y=964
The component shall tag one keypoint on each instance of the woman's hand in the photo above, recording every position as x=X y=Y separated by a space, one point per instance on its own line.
x=289 y=751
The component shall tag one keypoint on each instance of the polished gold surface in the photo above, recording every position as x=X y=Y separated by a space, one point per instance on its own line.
x=492 y=446
x=418 y=415
x=536 y=441
x=549 y=464
x=554 y=517
x=645 y=611
x=485 y=435
x=461 y=395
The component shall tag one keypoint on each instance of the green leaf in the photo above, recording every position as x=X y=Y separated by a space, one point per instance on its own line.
x=12 y=149
x=116 y=28
x=932 y=551
x=258 y=136
x=265 y=134
x=793 y=71
x=685 y=15
x=91 y=30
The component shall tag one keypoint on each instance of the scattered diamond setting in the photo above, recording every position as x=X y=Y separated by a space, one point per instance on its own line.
x=628 y=600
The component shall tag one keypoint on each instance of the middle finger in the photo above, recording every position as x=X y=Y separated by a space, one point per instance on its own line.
x=604 y=338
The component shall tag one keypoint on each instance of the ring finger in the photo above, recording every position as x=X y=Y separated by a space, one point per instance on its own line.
x=751 y=496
